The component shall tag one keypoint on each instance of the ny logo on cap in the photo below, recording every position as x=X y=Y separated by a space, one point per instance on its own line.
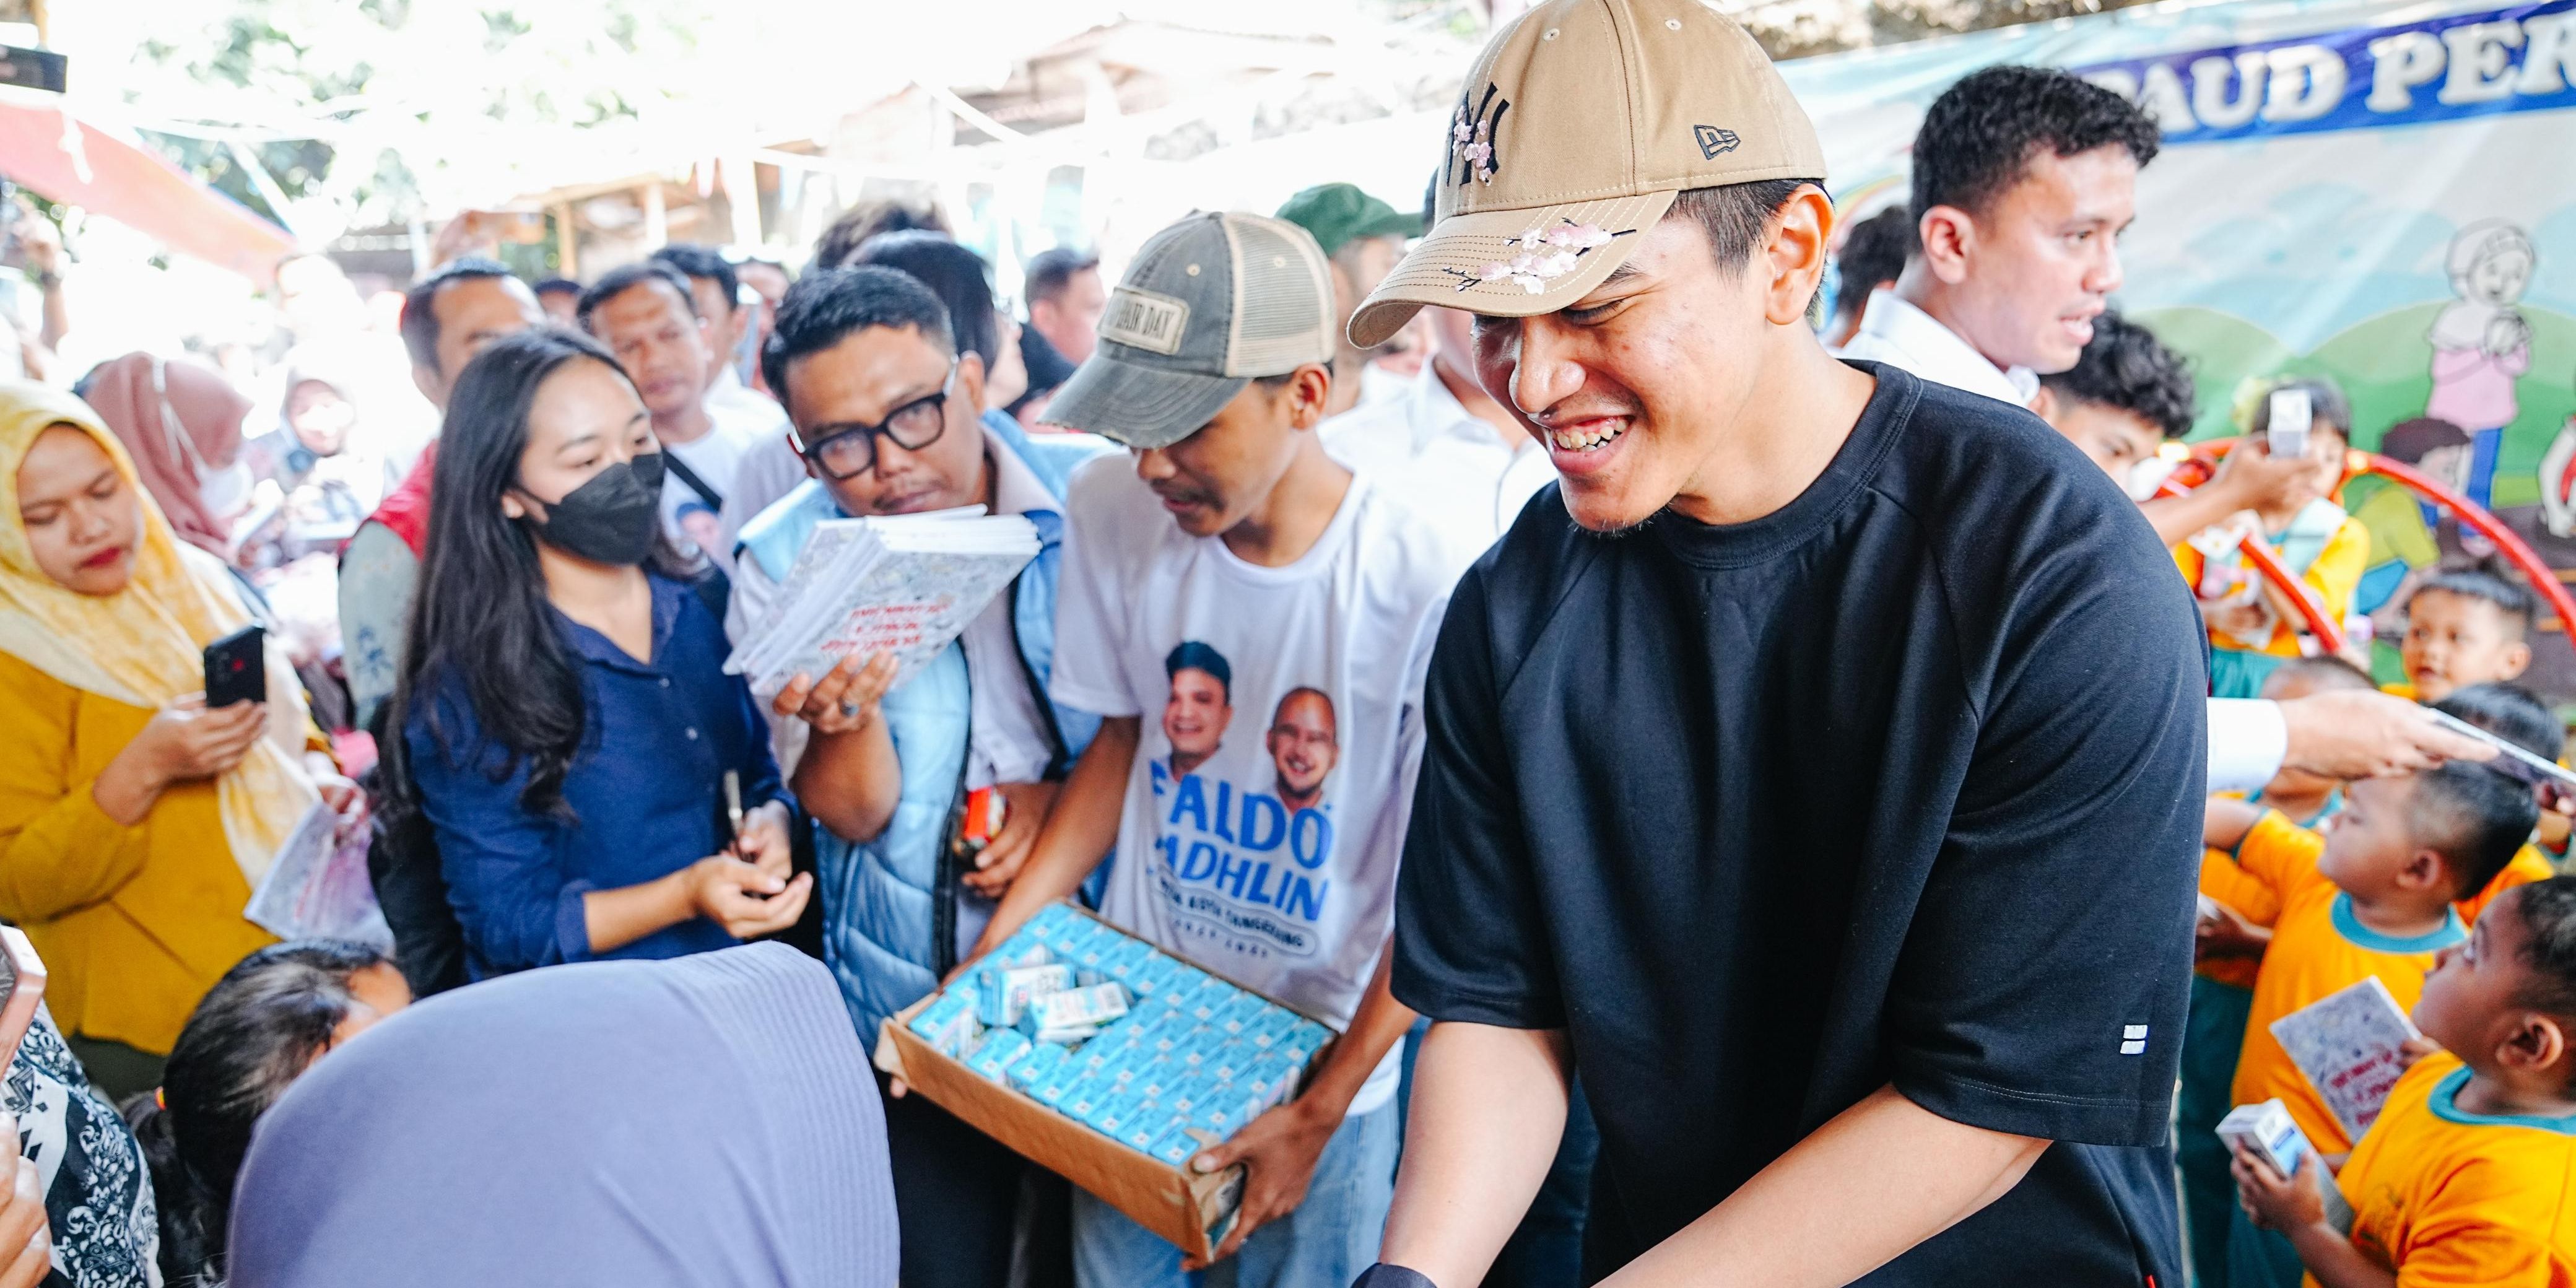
x=1472 y=139
x=1714 y=142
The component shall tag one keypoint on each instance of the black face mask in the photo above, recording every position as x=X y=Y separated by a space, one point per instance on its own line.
x=610 y=519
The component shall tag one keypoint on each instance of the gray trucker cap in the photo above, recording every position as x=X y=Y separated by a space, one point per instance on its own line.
x=1207 y=305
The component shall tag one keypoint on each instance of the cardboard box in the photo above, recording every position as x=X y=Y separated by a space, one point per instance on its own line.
x=1195 y=1212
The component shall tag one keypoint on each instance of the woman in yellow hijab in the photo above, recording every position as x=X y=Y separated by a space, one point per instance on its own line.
x=134 y=822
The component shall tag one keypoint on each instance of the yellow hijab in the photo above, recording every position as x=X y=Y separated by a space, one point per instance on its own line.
x=144 y=645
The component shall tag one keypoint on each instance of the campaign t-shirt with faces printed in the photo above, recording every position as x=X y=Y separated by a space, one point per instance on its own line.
x=1280 y=729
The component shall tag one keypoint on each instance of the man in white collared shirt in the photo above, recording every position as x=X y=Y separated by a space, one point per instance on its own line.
x=1462 y=464
x=1895 y=331
x=2024 y=178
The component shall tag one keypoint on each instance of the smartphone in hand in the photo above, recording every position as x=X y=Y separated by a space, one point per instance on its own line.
x=22 y=987
x=2293 y=414
x=237 y=668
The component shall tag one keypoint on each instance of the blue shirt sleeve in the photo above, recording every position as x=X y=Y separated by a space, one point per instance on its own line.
x=504 y=880
x=761 y=783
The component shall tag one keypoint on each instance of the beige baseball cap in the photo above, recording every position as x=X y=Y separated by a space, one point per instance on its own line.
x=1576 y=128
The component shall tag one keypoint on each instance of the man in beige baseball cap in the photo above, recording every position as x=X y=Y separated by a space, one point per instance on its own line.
x=1817 y=770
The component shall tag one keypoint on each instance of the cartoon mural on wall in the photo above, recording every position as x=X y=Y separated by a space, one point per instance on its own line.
x=2353 y=189
x=2482 y=344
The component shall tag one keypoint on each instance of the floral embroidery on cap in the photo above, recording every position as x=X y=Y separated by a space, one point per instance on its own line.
x=1472 y=135
x=1543 y=255
x=1475 y=142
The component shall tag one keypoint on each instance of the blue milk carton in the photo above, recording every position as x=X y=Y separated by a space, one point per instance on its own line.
x=1043 y=1059
x=993 y=1057
x=1237 y=1015
x=1175 y=1146
x=947 y=1024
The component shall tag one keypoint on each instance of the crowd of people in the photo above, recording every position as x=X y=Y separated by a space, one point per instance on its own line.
x=1732 y=777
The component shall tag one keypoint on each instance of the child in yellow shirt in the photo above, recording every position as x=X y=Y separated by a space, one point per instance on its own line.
x=2468 y=1177
x=2371 y=898
x=2251 y=627
x=2464 y=627
x=2227 y=952
x=2516 y=715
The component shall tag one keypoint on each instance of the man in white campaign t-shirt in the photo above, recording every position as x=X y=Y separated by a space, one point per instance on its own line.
x=1260 y=827
x=1253 y=623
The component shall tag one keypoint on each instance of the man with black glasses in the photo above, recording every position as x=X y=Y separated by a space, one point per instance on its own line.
x=884 y=410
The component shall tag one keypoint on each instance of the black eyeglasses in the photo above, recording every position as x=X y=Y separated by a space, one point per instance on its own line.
x=851 y=450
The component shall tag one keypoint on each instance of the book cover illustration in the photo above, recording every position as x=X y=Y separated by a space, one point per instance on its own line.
x=907 y=586
x=2348 y=1044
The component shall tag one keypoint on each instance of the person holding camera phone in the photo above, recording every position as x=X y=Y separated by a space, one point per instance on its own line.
x=134 y=819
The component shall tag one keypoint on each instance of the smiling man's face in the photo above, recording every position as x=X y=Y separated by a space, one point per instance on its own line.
x=1631 y=387
x=2042 y=259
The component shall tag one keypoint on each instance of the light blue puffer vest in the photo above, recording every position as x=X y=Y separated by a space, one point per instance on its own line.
x=879 y=896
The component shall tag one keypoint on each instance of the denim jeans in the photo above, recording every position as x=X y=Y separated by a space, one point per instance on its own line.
x=1325 y=1243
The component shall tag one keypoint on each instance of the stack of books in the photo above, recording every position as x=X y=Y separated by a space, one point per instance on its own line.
x=905 y=585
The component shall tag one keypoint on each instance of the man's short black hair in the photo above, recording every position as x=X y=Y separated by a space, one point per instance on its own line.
x=1979 y=136
x=558 y=286
x=1195 y=655
x=703 y=262
x=2125 y=367
x=956 y=275
x=420 y=304
x=2510 y=712
x=829 y=303
x=620 y=280
x=2475 y=818
x=2513 y=601
x=1050 y=271
x=1874 y=251
x=1734 y=215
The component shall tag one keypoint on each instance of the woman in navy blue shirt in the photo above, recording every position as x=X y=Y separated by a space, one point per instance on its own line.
x=566 y=718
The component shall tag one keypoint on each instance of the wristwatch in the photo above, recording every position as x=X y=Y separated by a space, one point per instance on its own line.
x=1383 y=1275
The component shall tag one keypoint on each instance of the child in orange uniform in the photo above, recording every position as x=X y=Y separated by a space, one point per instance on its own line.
x=2514 y=714
x=2371 y=898
x=2468 y=1177
x=2463 y=627
x=2227 y=953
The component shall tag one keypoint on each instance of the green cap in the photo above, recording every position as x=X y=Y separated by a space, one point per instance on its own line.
x=1339 y=213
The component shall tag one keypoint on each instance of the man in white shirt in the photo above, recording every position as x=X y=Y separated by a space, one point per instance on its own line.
x=2023 y=179
x=1236 y=573
x=1462 y=464
x=646 y=315
x=717 y=289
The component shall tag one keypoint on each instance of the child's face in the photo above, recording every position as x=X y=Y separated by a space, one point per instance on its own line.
x=2370 y=847
x=2327 y=447
x=2113 y=438
x=2472 y=1000
x=2456 y=640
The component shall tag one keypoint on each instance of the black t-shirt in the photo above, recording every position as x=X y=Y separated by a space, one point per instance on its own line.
x=1899 y=783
